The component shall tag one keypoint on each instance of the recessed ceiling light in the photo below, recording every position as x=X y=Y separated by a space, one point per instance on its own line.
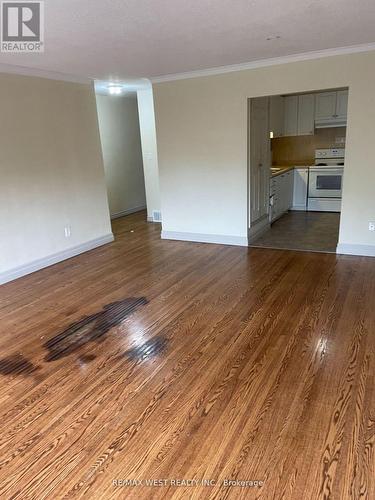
x=115 y=90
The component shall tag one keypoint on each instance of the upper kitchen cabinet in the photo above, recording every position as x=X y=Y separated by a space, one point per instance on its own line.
x=291 y=115
x=342 y=104
x=331 y=109
x=277 y=107
x=306 y=111
x=299 y=115
x=325 y=107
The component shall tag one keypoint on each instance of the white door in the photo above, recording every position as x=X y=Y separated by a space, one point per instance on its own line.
x=325 y=105
x=306 y=114
x=259 y=158
x=265 y=161
x=291 y=115
x=342 y=104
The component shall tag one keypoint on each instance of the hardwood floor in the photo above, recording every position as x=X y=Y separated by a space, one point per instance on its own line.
x=149 y=359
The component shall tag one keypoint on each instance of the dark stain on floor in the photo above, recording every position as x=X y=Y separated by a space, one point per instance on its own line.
x=148 y=349
x=91 y=328
x=86 y=358
x=17 y=364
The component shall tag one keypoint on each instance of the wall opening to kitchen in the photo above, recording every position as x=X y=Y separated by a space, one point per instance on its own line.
x=296 y=169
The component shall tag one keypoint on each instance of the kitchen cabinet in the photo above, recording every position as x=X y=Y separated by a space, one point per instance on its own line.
x=300 y=186
x=342 y=104
x=291 y=115
x=299 y=115
x=281 y=194
x=277 y=107
x=287 y=190
x=325 y=105
x=306 y=114
x=331 y=109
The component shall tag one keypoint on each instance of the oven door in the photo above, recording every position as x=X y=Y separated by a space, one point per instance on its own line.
x=325 y=182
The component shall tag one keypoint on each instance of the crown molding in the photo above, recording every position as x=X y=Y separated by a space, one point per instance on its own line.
x=41 y=73
x=262 y=63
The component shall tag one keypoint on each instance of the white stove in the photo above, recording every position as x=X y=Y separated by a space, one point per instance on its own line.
x=329 y=157
x=325 y=180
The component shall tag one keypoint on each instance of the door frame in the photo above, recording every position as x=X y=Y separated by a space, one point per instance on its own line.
x=263 y=224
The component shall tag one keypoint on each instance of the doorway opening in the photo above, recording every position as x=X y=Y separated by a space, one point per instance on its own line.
x=122 y=152
x=126 y=120
x=296 y=169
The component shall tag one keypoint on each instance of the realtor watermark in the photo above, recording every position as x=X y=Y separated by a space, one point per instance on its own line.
x=186 y=483
x=22 y=26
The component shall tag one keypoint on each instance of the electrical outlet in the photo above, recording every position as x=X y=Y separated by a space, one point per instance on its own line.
x=67 y=231
x=371 y=226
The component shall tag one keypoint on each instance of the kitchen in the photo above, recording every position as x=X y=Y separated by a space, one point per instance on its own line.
x=296 y=160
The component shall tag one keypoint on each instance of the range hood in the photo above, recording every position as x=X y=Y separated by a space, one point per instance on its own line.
x=330 y=123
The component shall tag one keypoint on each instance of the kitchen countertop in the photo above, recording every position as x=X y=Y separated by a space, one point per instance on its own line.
x=276 y=170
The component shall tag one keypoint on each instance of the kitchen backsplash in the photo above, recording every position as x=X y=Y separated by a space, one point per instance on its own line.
x=300 y=150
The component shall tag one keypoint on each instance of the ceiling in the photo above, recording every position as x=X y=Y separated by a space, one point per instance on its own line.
x=127 y=39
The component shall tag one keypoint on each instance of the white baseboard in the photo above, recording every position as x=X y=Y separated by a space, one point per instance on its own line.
x=349 y=249
x=299 y=208
x=36 y=265
x=220 y=239
x=128 y=212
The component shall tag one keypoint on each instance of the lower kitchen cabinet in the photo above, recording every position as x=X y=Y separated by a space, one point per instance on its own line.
x=281 y=194
x=301 y=180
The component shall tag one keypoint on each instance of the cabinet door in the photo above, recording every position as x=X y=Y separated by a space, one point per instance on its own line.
x=291 y=115
x=277 y=115
x=289 y=190
x=306 y=114
x=286 y=191
x=342 y=104
x=301 y=176
x=277 y=204
x=325 y=105
x=283 y=192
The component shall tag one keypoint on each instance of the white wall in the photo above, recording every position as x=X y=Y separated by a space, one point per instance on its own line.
x=149 y=149
x=202 y=146
x=122 y=153
x=51 y=173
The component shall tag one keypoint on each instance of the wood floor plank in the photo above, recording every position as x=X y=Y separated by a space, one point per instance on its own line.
x=149 y=359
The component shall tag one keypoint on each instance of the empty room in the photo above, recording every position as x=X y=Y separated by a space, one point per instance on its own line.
x=187 y=250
